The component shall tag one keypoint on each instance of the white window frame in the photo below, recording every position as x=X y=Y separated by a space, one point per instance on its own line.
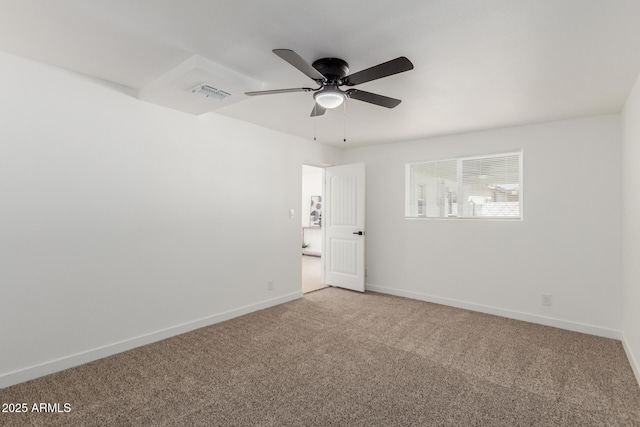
x=409 y=190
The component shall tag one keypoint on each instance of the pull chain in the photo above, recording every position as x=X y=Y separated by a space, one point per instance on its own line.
x=344 y=130
x=315 y=117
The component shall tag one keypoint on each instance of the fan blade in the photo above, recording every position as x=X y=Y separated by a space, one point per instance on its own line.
x=317 y=110
x=395 y=66
x=297 y=61
x=274 y=91
x=373 y=98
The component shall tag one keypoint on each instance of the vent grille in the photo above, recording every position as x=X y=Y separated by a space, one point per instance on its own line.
x=210 y=92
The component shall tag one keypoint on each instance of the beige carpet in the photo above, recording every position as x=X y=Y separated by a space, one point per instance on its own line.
x=311 y=274
x=340 y=358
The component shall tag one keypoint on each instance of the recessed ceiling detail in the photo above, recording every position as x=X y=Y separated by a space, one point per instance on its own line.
x=218 y=85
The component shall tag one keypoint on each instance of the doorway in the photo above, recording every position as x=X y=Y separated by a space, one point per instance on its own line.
x=311 y=223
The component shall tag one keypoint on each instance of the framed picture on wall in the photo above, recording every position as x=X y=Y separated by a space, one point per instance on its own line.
x=315 y=220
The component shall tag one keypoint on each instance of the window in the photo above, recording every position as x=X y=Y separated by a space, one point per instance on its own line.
x=468 y=187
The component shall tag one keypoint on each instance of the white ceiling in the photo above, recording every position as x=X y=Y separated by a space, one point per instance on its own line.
x=478 y=64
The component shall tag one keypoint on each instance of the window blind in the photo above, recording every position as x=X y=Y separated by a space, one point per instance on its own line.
x=469 y=187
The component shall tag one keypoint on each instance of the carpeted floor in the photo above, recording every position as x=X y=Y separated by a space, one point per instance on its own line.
x=340 y=358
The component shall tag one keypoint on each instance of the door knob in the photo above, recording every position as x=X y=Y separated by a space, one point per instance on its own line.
x=359 y=233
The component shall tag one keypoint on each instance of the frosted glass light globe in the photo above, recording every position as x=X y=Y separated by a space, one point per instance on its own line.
x=329 y=97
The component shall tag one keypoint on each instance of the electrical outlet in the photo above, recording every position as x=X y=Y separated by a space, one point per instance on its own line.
x=270 y=285
x=546 y=299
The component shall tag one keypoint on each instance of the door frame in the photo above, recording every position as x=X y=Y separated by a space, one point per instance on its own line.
x=322 y=229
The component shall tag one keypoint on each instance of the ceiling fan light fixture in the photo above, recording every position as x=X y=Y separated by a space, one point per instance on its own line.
x=329 y=97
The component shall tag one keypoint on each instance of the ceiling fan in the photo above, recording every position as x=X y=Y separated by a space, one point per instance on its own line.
x=331 y=73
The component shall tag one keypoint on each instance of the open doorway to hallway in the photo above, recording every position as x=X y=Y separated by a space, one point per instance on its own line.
x=311 y=215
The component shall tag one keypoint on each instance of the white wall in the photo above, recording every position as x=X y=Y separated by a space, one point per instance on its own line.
x=631 y=226
x=123 y=222
x=567 y=245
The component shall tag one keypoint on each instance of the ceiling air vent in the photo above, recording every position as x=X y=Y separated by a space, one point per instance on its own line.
x=210 y=92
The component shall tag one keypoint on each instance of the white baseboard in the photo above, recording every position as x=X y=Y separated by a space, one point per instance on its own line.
x=635 y=366
x=31 y=372
x=533 y=318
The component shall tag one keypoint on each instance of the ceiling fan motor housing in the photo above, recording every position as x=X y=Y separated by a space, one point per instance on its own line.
x=332 y=68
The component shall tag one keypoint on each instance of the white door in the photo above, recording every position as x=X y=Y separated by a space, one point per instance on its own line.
x=344 y=226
